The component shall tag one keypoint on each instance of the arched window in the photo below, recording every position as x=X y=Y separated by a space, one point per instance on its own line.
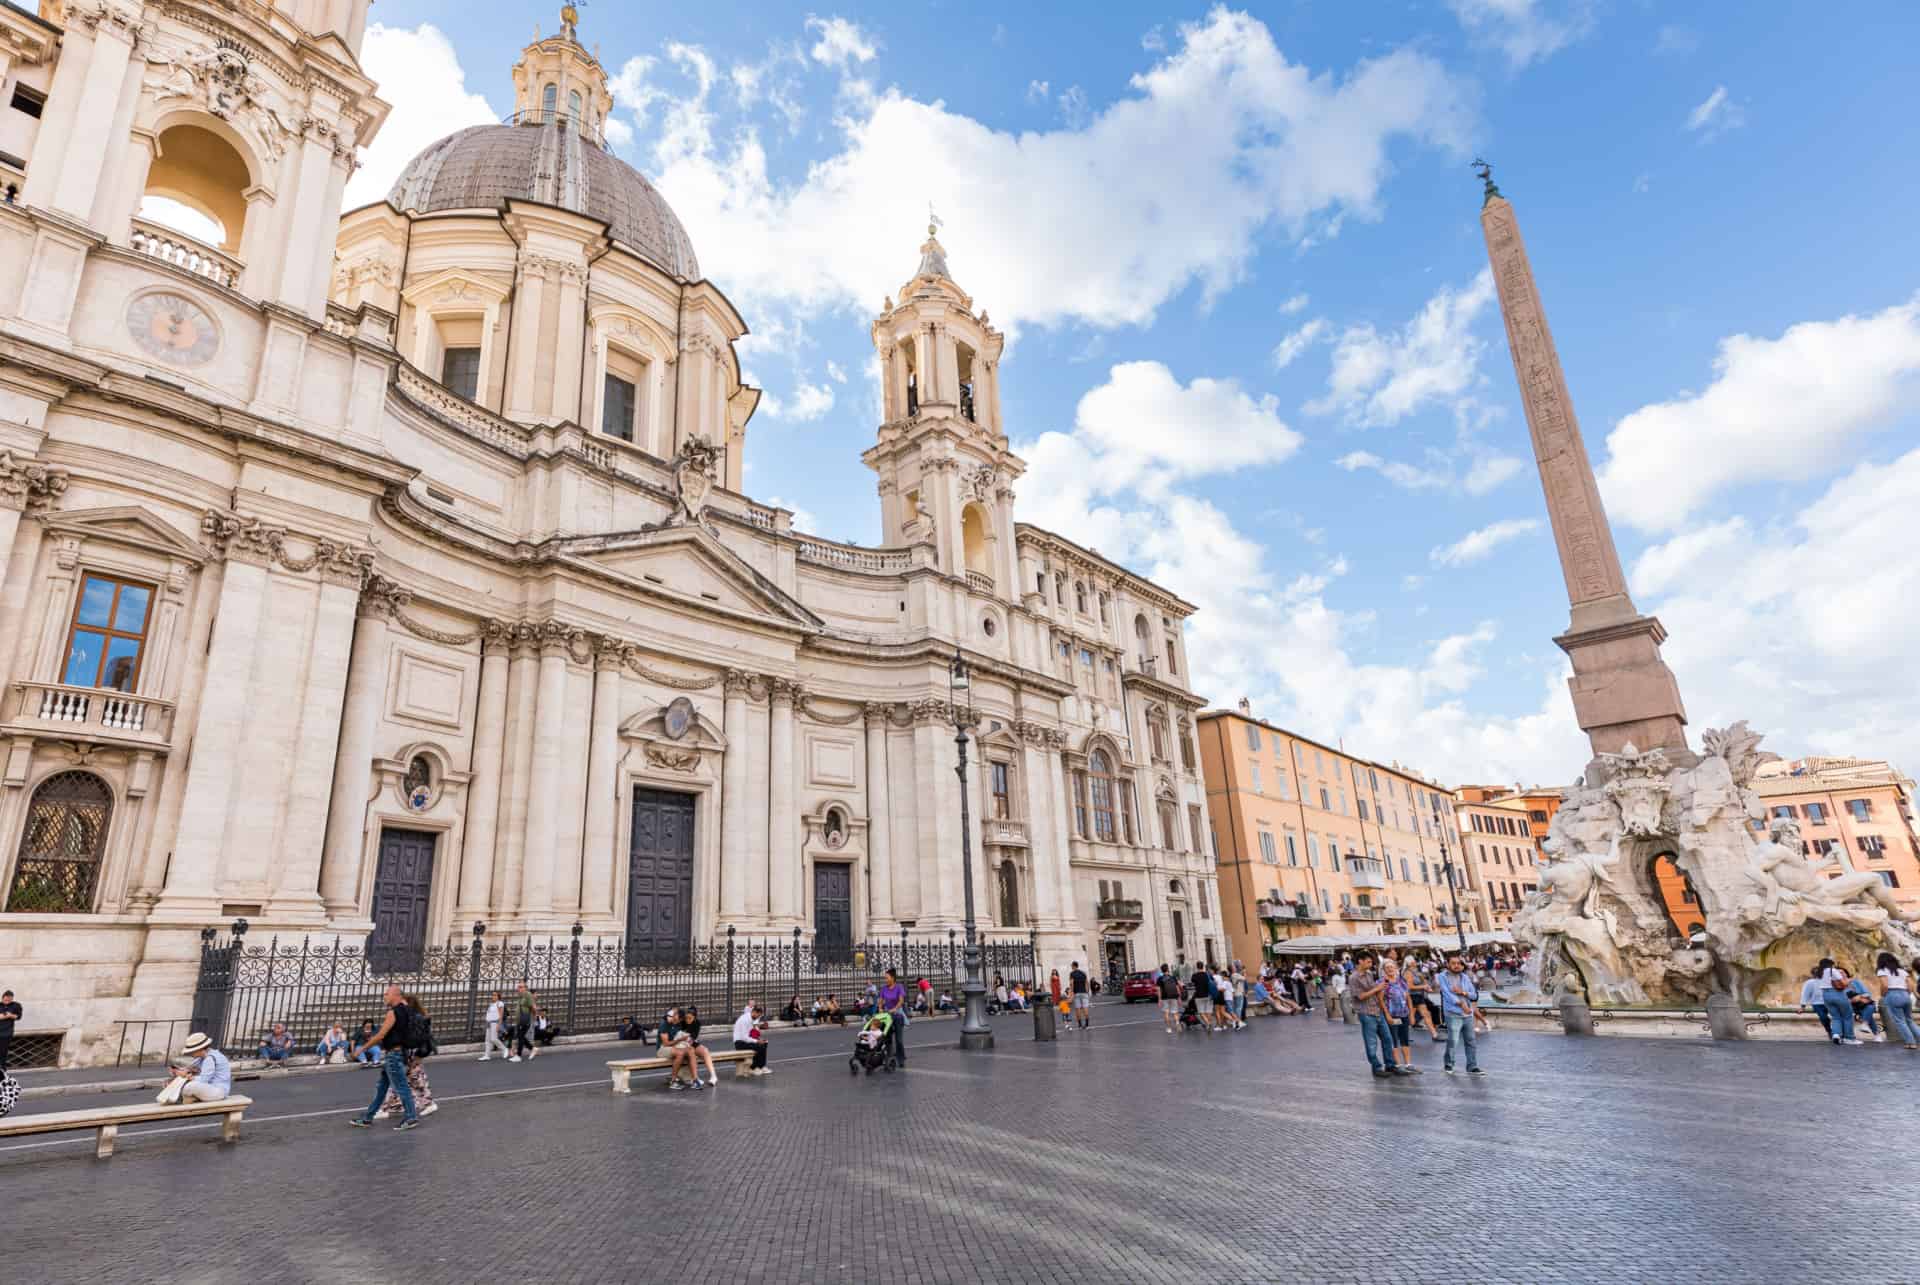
x=1169 y=828
x=975 y=541
x=549 y=101
x=61 y=846
x=1144 y=641
x=1009 y=895
x=1080 y=596
x=573 y=105
x=1101 y=783
x=1157 y=734
x=196 y=187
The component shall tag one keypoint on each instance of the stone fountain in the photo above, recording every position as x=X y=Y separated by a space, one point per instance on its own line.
x=1598 y=925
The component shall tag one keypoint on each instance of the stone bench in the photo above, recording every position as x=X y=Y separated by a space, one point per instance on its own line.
x=623 y=1068
x=106 y=1121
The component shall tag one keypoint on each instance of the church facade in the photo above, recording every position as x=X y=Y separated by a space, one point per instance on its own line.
x=381 y=574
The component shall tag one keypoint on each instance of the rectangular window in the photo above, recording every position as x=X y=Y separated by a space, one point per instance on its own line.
x=1253 y=738
x=1871 y=843
x=1406 y=871
x=1333 y=855
x=108 y=634
x=1040 y=583
x=1862 y=809
x=1313 y=852
x=1086 y=658
x=1783 y=812
x=1363 y=809
x=1193 y=824
x=29 y=102
x=1173 y=668
x=1253 y=770
x=1293 y=852
x=1816 y=813
x=1424 y=877
x=1285 y=790
x=1326 y=804
x=1326 y=901
x=460 y=372
x=1080 y=803
x=1206 y=907
x=1267 y=852
x=1002 y=800
x=1889 y=878
x=616 y=408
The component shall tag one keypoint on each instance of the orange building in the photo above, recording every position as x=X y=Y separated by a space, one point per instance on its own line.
x=1502 y=853
x=1859 y=811
x=1312 y=840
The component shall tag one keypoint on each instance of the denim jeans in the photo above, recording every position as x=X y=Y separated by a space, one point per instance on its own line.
x=1839 y=1012
x=1866 y=1013
x=899 y=1037
x=1374 y=1027
x=1459 y=1032
x=1897 y=1009
x=393 y=1072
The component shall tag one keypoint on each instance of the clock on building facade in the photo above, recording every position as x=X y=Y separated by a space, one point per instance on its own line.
x=173 y=328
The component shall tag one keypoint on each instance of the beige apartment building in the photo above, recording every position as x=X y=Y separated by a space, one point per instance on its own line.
x=1311 y=840
x=1858 y=810
x=1502 y=853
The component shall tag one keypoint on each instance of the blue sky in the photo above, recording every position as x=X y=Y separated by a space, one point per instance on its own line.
x=1253 y=352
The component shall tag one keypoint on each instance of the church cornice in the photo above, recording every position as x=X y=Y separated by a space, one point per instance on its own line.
x=1061 y=549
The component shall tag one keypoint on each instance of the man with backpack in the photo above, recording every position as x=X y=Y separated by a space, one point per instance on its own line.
x=395 y=1037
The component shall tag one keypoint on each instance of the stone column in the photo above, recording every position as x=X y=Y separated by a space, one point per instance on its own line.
x=1043 y=808
x=306 y=259
x=316 y=762
x=84 y=146
x=603 y=753
x=733 y=799
x=783 y=855
x=346 y=839
x=483 y=792
x=199 y=842
x=543 y=772
x=25 y=487
x=510 y=843
x=526 y=340
x=881 y=910
x=1062 y=872
x=939 y=814
x=568 y=347
x=923 y=363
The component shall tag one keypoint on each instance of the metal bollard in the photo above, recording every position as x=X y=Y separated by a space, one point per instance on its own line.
x=1043 y=1023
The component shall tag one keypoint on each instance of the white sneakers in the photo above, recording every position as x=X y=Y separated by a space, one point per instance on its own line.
x=512 y=1057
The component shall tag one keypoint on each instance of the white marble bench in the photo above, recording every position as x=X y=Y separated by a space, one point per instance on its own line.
x=106 y=1121
x=624 y=1068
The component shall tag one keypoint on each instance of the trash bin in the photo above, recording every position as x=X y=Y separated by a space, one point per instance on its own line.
x=1043 y=1022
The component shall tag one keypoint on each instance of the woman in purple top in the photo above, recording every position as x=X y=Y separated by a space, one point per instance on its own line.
x=893 y=1001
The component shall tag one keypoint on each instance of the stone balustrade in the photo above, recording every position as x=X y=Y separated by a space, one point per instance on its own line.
x=183 y=252
x=99 y=709
x=438 y=400
x=850 y=557
x=980 y=582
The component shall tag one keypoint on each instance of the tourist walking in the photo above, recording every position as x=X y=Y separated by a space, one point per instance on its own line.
x=391 y=1036
x=524 y=1009
x=1082 y=1000
x=1365 y=988
x=1459 y=1001
x=1420 y=992
x=1896 y=1000
x=10 y=1012
x=748 y=1035
x=1298 y=982
x=496 y=1013
x=1834 y=981
x=893 y=1001
x=1168 y=987
x=1202 y=996
x=419 y=1048
x=1336 y=996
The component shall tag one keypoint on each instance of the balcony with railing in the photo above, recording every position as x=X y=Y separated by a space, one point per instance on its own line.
x=1363 y=912
x=1366 y=872
x=1290 y=912
x=980 y=582
x=1121 y=908
x=186 y=253
x=96 y=712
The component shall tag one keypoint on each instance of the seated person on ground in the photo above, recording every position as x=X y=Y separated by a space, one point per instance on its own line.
x=630 y=1029
x=333 y=1045
x=369 y=1054
x=278 y=1045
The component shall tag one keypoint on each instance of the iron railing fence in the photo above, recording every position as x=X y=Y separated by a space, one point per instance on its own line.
x=585 y=986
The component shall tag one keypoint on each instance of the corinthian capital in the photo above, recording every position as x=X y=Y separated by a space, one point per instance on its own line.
x=29 y=485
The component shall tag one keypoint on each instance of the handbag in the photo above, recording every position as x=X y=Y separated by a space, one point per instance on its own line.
x=171 y=1091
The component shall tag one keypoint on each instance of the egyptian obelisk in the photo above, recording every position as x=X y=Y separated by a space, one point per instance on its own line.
x=1623 y=692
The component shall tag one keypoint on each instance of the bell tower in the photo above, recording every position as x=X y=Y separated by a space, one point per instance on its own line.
x=945 y=473
x=556 y=79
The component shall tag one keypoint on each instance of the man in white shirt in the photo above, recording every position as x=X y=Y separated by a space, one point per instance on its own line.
x=1336 y=996
x=496 y=1013
x=747 y=1034
x=1811 y=997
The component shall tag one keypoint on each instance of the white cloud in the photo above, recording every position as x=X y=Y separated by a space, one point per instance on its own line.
x=1293 y=305
x=1155 y=40
x=1074 y=109
x=1298 y=341
x=1715 y=115
x=1804 y=627
x=1379 y=379
x=1223 y=138
x=841 y=42
x=806 y=402
x=1777 y=410
x=1147 y=429
x=836 y=372
x=419 y=74
x=1477 y=545
x=1038 y=91
x=1676 y=39
x=1524 y=30
x=803 y=520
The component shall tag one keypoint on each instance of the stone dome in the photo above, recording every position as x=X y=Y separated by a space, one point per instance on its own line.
x=484 y=166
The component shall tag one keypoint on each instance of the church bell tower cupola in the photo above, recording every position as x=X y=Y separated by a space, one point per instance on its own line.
x=558 y=80
x=945 y=473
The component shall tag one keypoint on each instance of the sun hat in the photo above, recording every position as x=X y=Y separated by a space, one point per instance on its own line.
x=196 y=1044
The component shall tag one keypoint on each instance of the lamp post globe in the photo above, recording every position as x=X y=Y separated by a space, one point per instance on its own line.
x=975 y=1031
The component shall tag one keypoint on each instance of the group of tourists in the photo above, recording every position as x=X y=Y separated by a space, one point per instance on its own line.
x=1843 y=1001
x=1392 y=996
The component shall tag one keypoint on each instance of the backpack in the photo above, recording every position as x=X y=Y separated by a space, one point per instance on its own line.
x=419 y=1038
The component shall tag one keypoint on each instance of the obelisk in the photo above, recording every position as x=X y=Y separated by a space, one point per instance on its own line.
x=1623 y=692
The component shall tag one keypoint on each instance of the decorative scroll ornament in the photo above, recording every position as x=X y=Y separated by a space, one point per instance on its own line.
x=675 y=681
x=673 y=760
x=1639 y=788
x=693 y=476
x=222 y=80
x=977 y=483
x=859 y=715
x=382 y=597
x=29 y=485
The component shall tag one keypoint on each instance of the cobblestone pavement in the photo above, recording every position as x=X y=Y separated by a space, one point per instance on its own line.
x=1118 y=1155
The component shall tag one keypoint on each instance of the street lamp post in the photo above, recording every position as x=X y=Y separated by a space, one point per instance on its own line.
x=1446 y=868
x=975 y=1032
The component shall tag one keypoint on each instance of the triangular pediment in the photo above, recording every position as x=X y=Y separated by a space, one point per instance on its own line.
x=129 y=525
x=688 y=563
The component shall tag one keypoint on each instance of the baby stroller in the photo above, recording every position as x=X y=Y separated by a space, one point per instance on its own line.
x=873 y=1047
x=1190 y=1015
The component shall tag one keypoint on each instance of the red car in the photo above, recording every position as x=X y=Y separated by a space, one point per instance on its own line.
x=1140 y=986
